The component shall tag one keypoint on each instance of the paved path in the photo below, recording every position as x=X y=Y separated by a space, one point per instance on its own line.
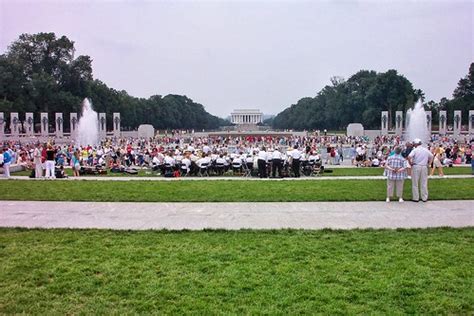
x=160 y=178
x=197 y=216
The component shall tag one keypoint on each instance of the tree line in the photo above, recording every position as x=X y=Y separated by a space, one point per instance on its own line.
x=362 y=97
x=39 y=73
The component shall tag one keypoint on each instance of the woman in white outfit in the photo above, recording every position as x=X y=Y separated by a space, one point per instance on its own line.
x=50 y=156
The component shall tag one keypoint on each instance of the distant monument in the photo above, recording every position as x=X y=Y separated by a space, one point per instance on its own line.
x=443 y=121
x=116 y=124
x=89 y=128
x=399 y=123
x=30 y=124
x=457 y=121
x=385 y=122
x=146 y=131
x=355 y=129
x=418 y=123
x=246 y=117
x=471 y=123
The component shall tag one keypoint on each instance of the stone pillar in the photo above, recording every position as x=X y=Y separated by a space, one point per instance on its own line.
x=471 y=123
x=457 y=120
x=399 y=122
x=443 y=119
x=59 y=123
x=428 y=121
x=2 y=126
x=384 y=124
x=15 y=124
x=73 y=124
x=116 y=124
x=102 y=126
x=29 y=124
x=44 y=124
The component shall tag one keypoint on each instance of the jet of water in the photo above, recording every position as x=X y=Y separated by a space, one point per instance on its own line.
x=88 y=126
x=417 y=125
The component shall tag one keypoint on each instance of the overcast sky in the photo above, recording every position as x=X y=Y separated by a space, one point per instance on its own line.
x=254 y=54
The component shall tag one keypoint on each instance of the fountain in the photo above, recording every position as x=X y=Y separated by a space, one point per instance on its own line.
x=417 y=127
x=88 y=126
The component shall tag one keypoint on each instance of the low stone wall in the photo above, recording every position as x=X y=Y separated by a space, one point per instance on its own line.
x=14 y=168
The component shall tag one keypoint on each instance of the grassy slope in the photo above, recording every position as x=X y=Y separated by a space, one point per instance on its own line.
x=223 y=191
x=254 y=272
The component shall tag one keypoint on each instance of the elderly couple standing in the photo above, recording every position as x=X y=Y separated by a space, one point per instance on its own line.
x=419 y=159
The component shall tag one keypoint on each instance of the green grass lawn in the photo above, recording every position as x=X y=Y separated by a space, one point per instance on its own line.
x=68 y=171
x=283 y=272
x=339 y=172
x=223 y=190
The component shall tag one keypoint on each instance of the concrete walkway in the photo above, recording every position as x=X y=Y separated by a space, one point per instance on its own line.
x=215 y=178
x=197 y=216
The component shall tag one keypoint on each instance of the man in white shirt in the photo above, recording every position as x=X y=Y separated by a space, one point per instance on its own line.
x=169 y=160
x=419 y=158
x=204 y=161
x=295 y=162
x=262 y=163
x=186 y=164
x=276 y=163
x=206 y=149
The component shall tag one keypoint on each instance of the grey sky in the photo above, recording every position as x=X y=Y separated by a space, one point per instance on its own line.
x=254 y=54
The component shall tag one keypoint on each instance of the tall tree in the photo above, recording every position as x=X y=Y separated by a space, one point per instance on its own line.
x=463 y=96
x=40 y=72
x=359 y=99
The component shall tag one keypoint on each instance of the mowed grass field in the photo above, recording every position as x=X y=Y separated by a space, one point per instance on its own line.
x=338 y=172
x=223 y=190
x=282 y=272
x=426 y=271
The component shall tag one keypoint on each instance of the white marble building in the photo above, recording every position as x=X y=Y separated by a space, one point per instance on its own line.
x=246 y=117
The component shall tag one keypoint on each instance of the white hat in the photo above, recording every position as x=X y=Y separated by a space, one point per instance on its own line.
x=417 y=141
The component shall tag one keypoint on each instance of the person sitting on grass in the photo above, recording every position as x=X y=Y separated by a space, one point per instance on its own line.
x=375 y=162
x=59 y=172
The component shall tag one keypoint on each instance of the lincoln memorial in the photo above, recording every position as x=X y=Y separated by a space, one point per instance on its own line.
x=246 y=117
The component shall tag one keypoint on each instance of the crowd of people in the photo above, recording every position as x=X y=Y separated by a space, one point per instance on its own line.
x=178 y=155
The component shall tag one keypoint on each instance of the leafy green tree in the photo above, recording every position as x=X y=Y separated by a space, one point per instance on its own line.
x=463 y=97
x=39 y=72
x=359 y=99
